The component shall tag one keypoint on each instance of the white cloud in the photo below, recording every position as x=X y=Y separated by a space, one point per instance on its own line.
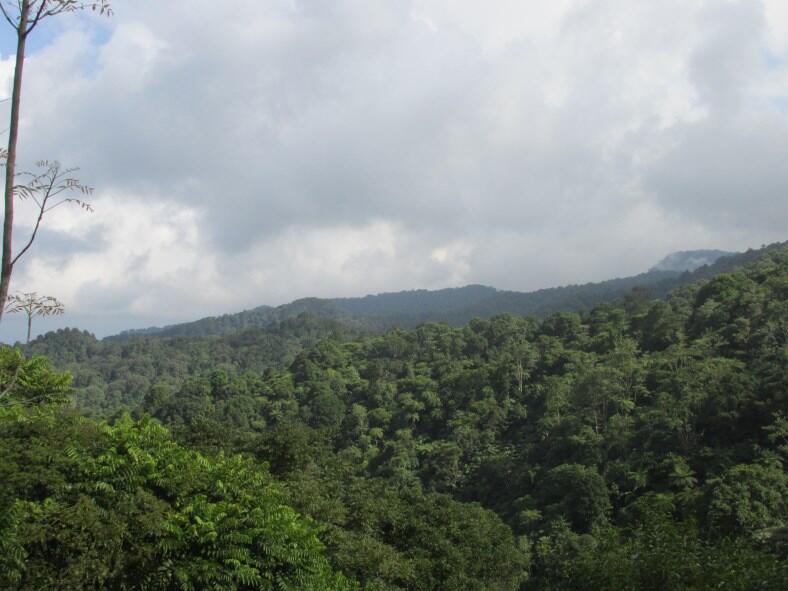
x=312 y=148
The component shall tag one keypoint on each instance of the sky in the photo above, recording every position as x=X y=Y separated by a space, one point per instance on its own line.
x=288 y=148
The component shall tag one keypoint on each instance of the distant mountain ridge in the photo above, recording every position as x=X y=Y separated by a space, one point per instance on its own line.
x=457 y=306
x=689 y=260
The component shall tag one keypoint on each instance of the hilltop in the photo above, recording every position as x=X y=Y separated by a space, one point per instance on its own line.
x=457 y=306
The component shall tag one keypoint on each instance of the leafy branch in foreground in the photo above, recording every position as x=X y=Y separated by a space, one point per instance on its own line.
x=87 y=505
x=30 y=382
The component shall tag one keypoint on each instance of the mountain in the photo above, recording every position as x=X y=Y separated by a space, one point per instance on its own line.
x=457 y=306
x=689 y=260
x=117 y=372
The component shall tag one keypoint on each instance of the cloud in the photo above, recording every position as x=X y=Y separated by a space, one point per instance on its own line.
x=310 y=148
x=724 y=170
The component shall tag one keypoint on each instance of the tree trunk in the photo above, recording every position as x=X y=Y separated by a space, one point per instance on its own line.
x=10 y=167
x=29 y=327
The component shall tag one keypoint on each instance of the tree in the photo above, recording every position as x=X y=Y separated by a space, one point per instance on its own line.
x=86 y=505
x=30 y=382
x=748 y=499
x=33 y=305
x=24 y=16
x=576 y=493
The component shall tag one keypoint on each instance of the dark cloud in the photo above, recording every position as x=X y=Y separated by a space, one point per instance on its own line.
x=58 y=246
x=728 y=175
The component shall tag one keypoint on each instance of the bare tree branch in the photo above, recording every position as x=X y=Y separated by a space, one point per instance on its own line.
x=37 y=18
x=25 y=402
x=12 y=383
x=42 y=188
x=8 y=18
x=32 y=238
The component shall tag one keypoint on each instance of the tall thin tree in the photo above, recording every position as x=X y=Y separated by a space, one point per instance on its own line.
x=33 y=305
x=24 y=16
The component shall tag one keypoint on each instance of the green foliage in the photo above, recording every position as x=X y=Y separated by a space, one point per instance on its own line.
x=748 y=498
x=576 y=493
x=88 y=505
x=30 y=381
x=91 y=505
x=660 y=554
x=113 y=375
x=640 y=445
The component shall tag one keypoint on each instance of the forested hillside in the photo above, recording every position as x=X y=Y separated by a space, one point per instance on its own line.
x=458 y=306
x=113 y=374
x=86 y=505
x=640 y=445
x=110 y=376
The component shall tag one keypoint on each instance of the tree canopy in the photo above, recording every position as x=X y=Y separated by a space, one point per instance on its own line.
x=640 y=445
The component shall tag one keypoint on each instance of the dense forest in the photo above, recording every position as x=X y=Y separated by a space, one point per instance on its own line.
x=639 y=444
x=114 y=374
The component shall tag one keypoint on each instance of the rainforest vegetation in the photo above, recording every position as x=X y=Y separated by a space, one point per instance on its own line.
x=640 y=444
